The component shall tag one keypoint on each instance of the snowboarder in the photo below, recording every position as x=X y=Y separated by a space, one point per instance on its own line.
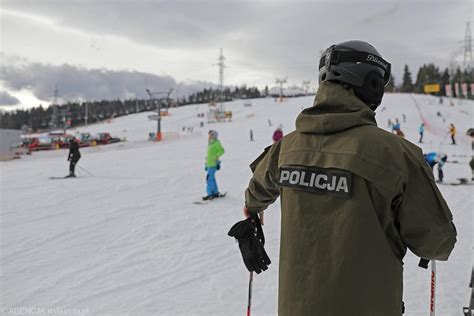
x=213 y=164
x=404 y=118
x=278 y=134
x=434 y=158
x=251 y=135
x=452 y=133
x=353 y=197
x=421 y=131
x=389 y=123
x=73 y=157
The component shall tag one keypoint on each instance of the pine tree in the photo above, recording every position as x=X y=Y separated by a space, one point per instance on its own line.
x=407 y=84
x=445 y=79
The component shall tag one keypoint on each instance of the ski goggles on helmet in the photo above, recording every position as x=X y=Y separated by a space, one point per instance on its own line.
x=334 y=56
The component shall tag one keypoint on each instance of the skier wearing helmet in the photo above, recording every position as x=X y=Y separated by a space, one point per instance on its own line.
x=214 y=152
x=434 y=158
x=353 y=197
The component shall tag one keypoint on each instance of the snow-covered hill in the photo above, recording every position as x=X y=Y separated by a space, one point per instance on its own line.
x=126 y=239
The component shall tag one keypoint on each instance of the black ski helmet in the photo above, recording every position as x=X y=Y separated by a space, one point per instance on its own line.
x=359 y=65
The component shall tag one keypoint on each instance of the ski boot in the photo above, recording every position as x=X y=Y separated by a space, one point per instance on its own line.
x=217 y=195
x=207 y=197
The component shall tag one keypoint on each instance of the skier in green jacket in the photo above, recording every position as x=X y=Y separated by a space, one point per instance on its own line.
x=353 y=197
x=214 y=152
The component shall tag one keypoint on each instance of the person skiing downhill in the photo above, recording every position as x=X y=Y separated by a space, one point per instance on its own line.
x=353 y=197
x=73 y=157
x=214 y=152
x=434 y=158
x=421 y=131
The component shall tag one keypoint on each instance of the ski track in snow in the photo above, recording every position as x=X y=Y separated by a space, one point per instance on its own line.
x=126 y=239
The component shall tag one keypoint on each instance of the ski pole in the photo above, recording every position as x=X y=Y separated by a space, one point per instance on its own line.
x=85 y=170
x=433 y=288
x=424 y=264
x=249 y=304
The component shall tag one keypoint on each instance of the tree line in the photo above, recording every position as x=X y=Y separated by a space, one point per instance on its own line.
x=73 y=114
x=431 y=74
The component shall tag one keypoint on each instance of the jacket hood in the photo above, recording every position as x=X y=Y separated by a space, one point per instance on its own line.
x=334 y=109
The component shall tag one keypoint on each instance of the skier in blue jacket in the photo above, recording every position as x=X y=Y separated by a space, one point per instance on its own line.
x=440 y=159
x=421 y=130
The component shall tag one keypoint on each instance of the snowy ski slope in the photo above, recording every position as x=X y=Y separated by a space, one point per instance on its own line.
x=126 y=239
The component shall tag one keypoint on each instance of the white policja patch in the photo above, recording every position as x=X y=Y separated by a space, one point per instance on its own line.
x=329 y=181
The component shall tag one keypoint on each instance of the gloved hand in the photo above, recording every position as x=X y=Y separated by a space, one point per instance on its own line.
x=251 y=240
x=68 y=158
x=218 y=165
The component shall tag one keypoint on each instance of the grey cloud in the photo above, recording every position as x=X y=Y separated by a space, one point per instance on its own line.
x=7 y=99
x=280 y=37
x=172 y=24
x=78 y=83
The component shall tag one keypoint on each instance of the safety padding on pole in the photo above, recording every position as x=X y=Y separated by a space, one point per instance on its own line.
x=158 y=137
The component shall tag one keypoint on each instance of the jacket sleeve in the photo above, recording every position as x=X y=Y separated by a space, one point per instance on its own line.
x=219 y=150
x=263 y=188
x=424 y=218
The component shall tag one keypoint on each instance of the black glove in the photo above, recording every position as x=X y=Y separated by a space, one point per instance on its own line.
x=251 y=240
x=423 y=263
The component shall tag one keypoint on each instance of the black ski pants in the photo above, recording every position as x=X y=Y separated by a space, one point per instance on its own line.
x=72 y=164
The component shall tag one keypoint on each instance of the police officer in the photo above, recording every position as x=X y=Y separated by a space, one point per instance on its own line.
x=353 y=196
x=73 y=157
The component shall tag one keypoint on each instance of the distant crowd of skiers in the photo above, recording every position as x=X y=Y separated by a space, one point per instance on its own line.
x=396 y=129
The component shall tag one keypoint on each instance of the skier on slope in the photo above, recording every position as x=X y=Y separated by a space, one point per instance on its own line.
x=353 y=197
x=73 y=157
x=452 y=133
x=434 y=158
x=214 y=152
x=278 y=134
x=470 y=133
x=421 y=131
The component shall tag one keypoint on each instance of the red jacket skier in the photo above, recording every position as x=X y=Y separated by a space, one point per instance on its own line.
x=278 y=134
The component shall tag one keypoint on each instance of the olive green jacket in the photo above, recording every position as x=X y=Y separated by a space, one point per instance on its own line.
x=342 y=243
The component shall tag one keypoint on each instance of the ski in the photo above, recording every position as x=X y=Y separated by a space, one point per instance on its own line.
x=66 y=177
x=461 y=181
x=203 y=202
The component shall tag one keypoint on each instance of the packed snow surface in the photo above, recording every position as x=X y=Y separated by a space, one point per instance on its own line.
x=126 y=239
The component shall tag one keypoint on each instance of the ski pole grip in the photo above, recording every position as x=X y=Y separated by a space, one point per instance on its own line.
x=423 y=263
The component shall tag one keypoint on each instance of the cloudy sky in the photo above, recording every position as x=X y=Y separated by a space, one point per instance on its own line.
x=95 y=49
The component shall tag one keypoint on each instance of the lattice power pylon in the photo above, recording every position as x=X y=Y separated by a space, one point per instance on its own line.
x=467 y=63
